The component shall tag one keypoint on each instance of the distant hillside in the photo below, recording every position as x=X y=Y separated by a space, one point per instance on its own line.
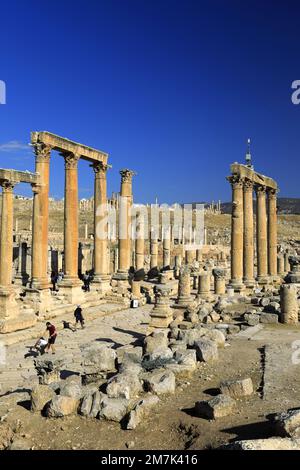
x=286 y=205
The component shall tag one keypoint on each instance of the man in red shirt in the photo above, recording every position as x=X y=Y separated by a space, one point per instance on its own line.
x=52 y=337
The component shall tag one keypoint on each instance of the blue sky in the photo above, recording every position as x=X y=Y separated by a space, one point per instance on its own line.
x=170 y=89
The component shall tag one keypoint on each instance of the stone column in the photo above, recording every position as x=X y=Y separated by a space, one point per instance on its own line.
x=272 y=233
x=287 y=266
x=199 y=256
x=126 y=200
x=162 y=314
x=248 y=257
x=153 y=250
x=204 y=286
x=40 y=219
x=190 y=256
x=8 y=305
x=71 y=285
x=261 y=235
x=167 y=248
x=136 y=289
x=184 y=288
x=101 y=261
x=236 y=233
x=289 y=304
x=140 y=242
x=280 y=264
x=219 y=281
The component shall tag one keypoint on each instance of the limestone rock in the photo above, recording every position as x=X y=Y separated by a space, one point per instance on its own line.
x=71 y=389
x=86 y=405
x=217 y=336
x=162 y=354
x=141 y=410
x=40 y=395
x=206 y=350
x=113 y=409
x=288 y=424
x=98 y=358
x=6 y=435
x=20 y=443
x=61 y=406
x=154 y=342
x=160 y=382
x=125 y=385
x=251 y=319
x=187 y=357
x=273 y=443
x=217 y=407
x=237 y=388
x=268 y=318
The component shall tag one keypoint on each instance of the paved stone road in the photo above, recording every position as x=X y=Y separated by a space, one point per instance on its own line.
x=116 y=329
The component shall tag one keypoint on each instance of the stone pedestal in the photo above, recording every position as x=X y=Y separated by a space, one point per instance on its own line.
x=219 y=281
x=280 y=264
x=136 y=289
x=289 y=304
x=294 y=275
x=162 y=314
x=184 y=288
x=204 y=286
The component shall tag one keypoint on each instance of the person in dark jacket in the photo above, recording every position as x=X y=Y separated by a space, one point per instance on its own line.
x=78 y=317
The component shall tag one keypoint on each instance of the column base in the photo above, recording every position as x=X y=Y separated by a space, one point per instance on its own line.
x=11 y=319
x=263 y=280
x=161 y=317
x=71 y=289
x=101 y=283
x=40 y=284
x=236 y=285
x=249 y=283
x=8 y=304
x=184 y=302
x=122 y=278
x=40 y=300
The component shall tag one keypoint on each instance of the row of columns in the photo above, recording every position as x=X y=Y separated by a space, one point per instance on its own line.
x=242 y=233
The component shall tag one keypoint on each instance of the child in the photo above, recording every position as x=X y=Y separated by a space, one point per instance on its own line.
x=40 y=345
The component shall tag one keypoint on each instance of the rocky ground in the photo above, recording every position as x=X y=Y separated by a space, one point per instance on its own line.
x=262 y=353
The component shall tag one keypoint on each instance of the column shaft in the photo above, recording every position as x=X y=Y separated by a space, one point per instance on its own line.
x=140 y=242
x=101 y=267
x=71 y=218
x=248 y=257
x=40 y=219
x=237 y=233
x=272 y=233
x=125 y=237
x=6 y=235
x=261 y=236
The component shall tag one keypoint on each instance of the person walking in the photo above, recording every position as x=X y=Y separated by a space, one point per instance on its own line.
x=51 y=330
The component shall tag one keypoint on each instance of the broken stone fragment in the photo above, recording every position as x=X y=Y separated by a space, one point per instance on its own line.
x=141 y=410
x=160 y=382
x=217 y=407
x=206 y=350
x=40 y=395
x=113 y=409
x=287 y=424
x=61 y=406
x=237 y=388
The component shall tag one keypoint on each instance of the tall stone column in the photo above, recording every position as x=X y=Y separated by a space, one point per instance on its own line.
x=101 y=262
x=219 y=281
x=167 y=248
x=71 y=285
x=40 y=219
x=248 y=258
x=287 y=266
x=236 y=280
x=8 y=305
x=125 y=204
x=204 y=286
x=272 y=233
x=261 y=235
x=140 y=242
x=289 y=304
x=153 y=250
x=280 y=264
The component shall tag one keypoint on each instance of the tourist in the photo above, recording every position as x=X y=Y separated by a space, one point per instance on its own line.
x=40 y=345
x=86 y=280
x=51 y=330
x=78 y=317
x=54 y=279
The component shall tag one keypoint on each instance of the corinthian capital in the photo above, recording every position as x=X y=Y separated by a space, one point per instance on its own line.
x=248 y=185
x=7 y=186
x=126 y=175
x=100 y=168
x=71 y=160
x=260 y=189
x=42 y=152
x=235 y=181
x=272 y=193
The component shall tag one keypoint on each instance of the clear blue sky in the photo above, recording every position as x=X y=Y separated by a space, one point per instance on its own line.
x=171 y=89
